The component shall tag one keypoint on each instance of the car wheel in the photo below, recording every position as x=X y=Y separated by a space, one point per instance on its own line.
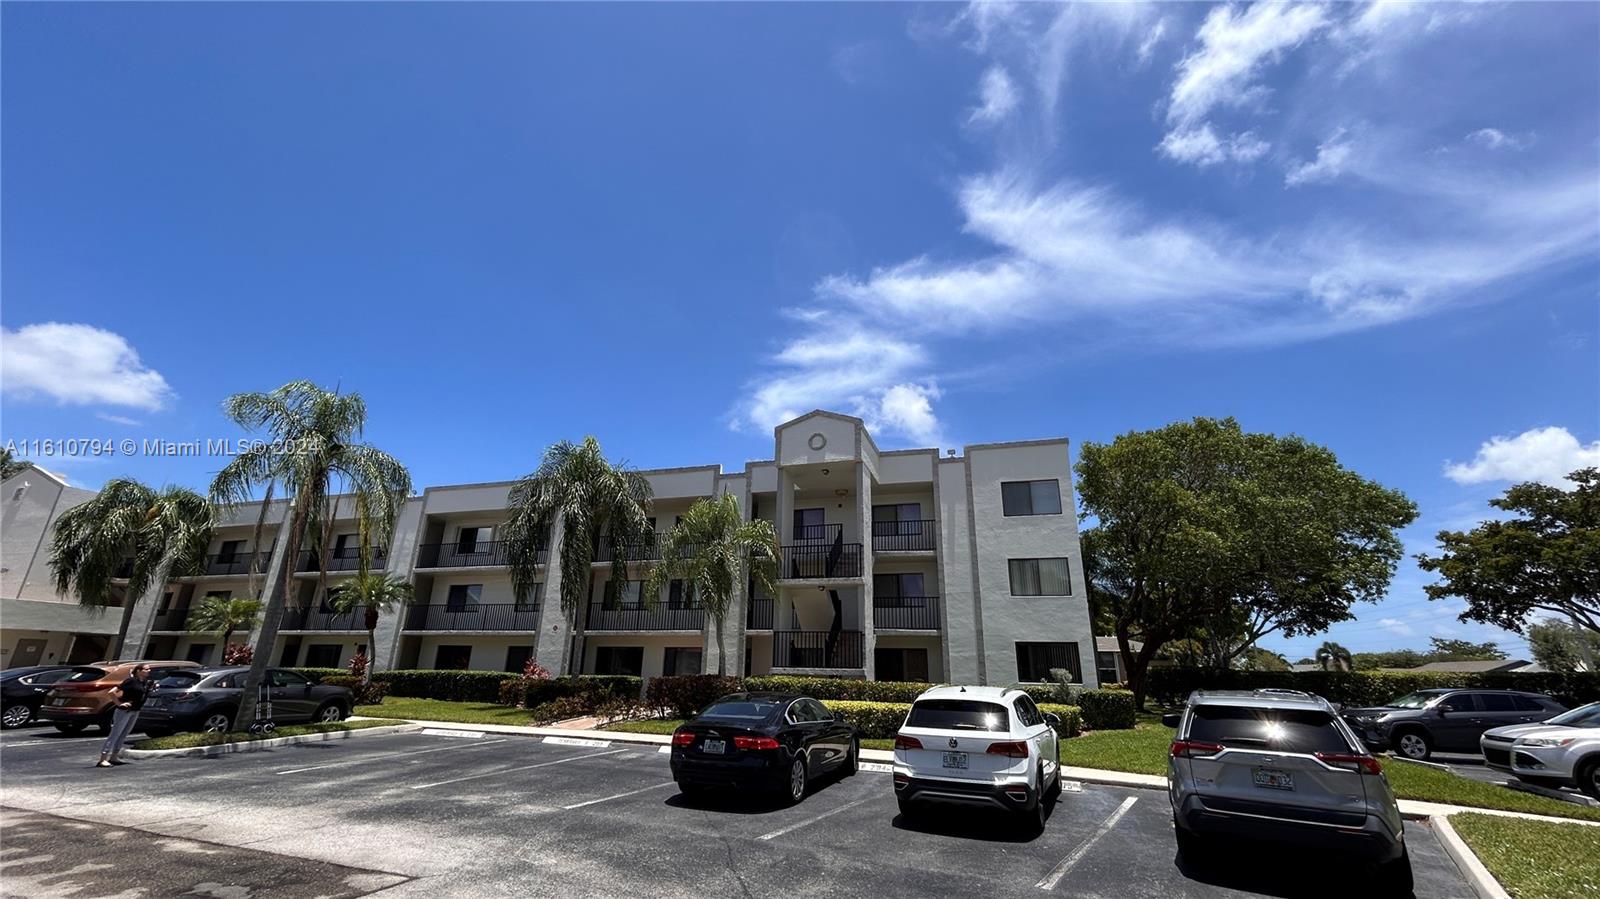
x=798 y=777
x=72 y=729
x=852 y=761
x=329 y=714
x=1414 y=745
x=217 y=722
x=1395 y=876
x=1589 y=779
x=16 y=715
x=1191 y=850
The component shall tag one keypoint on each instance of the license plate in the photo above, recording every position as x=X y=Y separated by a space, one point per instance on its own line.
x=715 y=747
x=58 y=702
x=1274 y=779
x=955 y=760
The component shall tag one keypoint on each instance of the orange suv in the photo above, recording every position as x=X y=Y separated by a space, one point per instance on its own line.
x=84 y=697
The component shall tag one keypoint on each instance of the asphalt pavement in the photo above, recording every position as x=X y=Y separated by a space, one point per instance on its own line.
x=488 y=815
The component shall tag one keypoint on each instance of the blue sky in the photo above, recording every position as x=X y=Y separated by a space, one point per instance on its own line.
x=672 y=226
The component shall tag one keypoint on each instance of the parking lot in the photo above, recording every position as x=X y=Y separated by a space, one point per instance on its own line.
x=431 y=814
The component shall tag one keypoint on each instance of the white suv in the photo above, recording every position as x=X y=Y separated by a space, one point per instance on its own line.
x=977 y=746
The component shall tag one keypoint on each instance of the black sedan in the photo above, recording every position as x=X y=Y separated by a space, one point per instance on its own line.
x=769 y=741
x=23 y=689
x=207 y=699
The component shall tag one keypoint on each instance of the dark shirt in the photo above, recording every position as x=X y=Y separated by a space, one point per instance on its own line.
x=134 y=691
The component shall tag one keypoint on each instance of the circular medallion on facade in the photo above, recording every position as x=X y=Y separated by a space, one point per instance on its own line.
x=817 y=441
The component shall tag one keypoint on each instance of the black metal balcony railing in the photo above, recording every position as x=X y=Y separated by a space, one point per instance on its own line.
x=638 y=618
x=820 y=560
x=235 y=563
x=474 y=617
x=341 y=559
x=470 y=554
x=818 y=533
x=816 y=649
x=312 y=618
x=910 y=613
x=904 y=536
x=171 y=620
x=758 y=615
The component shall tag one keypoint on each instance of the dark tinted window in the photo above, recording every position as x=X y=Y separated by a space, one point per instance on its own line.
x=744 y=710
x=1526 y=704
x=1457 y=702
x=178 y=680
x=1027 y=712
x=959 y=714
x=1040 y=577
x=1496 y=702
x=1030 y=497
x=47 y=677
x=80 y=675
x=1283 y=730
x=819 y=712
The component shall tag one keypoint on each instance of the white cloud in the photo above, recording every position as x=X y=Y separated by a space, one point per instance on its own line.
x=118 y=419
x=1396 y=626
x=1201 y=146
x=1495 y=139
x=997 y=95
x=78 y=364
x=1154 y=36
x=1235 y=44
x=903 y=409
x=1545 y=455
x=1333 y=155
x=837 y=366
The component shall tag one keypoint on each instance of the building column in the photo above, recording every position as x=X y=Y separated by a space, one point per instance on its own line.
x=864 y=511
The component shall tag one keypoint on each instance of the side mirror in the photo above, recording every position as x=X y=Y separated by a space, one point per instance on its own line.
x=1171 y=719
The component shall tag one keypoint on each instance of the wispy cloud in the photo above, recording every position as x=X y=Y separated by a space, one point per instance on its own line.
x=76 y=364
x=1545 y=455
x=1332 y=156
x=1495 y=139
x=118 y=419
x=1202 y=147
x=997 y=97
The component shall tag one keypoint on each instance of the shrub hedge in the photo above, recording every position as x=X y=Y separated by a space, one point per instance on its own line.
x=449 y=685
x=880 y=720
x=1107 y=709
x=591 y=689
x=1170 y=686
x=317 y=674
x=682 y=695
x=858 y=690
x=365 y=694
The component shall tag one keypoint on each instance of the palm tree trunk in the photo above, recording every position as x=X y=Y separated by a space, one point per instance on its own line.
x=722 y=657
x=255 y=545
x=122 y=631
x=272 y=616
x=372 y=656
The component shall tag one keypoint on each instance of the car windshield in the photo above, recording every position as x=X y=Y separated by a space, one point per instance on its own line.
x=1582 y=716
x=959 y=714
x=80 y=675
x=1415 y=700
x=1281 y=730
x=744 y=710
x=179 y=680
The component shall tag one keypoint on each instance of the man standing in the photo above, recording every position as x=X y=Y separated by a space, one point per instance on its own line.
x=130 y=699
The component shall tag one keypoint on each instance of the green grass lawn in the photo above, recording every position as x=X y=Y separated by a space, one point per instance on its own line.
x=1143 y=750
x=1535 y=859
x=440 y=710
x=647 y=726
x=189 y=741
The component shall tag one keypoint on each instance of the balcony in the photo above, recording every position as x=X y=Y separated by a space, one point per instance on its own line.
x=474 y=617
x=234 y=564
x=171 y=620
x=638 y=618
x=904 y=536
x=905 y=613
x=817 y=649
x=758 y=615
x=341 y=560
x=483 y=553
x=812 y=561
x=316 y=619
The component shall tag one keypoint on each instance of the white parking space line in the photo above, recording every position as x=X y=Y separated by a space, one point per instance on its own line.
x=1054 y=877
x=390 y=755
x=573 y=758
x=875 y=767
x=814 y=819
x=577 y=741
x=569 y=808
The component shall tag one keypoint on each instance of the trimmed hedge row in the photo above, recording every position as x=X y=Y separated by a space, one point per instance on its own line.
x=1107 y=709
x=450 y=685
x=1170 y=686
x=881 y=720
x=681 y=695
x=317 y=674
x=593 y=689
x=365 y=694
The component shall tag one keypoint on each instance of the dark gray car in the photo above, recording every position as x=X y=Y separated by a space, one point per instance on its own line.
x=207 y=699
x=1419 y=724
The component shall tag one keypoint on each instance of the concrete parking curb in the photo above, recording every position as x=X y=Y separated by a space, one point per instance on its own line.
x=1476 y=875
x=256 y=745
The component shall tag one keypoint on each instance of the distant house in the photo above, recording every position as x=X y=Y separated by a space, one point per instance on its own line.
x=1483 y=667
x=1108 y=661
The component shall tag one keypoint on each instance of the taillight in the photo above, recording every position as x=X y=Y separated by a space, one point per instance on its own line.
x=755 y=743
x=1194 y=749
x=901 y=741
x=1016 y=749
x=1363 y=764
x=682 y=738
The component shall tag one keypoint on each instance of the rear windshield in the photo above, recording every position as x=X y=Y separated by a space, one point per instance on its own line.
x=80 y=675
x=744 y=710
x=178 y=680
x=959 y=714
x=1280 y=730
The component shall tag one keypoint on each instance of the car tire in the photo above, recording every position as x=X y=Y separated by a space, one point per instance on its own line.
x=852 y=760
x=1589 y=778
x=329 y=714
x=799 y=779
x=1033 y=818
x=1395 y=876
x=217 y=720
x=1413 y=744
x=1191 y=848
x=72 y=729
x=16 y=715
x=907 y=808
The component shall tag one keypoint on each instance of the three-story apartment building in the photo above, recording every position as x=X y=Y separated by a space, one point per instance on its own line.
x=899 y=565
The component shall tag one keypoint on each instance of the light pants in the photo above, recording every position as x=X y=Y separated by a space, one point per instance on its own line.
x=121 y=722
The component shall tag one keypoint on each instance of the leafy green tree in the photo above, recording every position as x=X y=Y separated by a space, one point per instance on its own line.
x=1446 y=650
x=1333 y=657
x=1257 y=659
x=223 y=615
x=1398 y=658
x=709 y=549
x=10 y=465
x=591 y=497
x=1560 y=646
x=312 y=452
x=1201 y=525
x=376 y=593
x=1545 y=557
x=128 y=530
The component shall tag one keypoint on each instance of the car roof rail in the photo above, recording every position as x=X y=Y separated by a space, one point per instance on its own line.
x=1282 y=691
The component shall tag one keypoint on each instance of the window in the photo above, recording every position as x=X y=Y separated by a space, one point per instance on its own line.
x=322 y=655
x=681 y=596
x=219 y=594
x=1034 y=661
x=282 y=678
x=1040 y=577
x=291 y=652
x=463 y=595
x=473 y=540
x=899 y=590
x=453 y=657
x=809 y=524
x=900 y=664
x=229 y=551
x=1495 y=702
x=1525 y=704
x=1028 y=713
x=517 y=658
x=1105 y=667
x=817 y=711
x=532 y=601
x=199 y=653
x=1458 y=702
x=1283 y=730
x=959 y=714
x=622 y=594
x=625 y=660
x=682 y=660
x=897 y=520
x=1030 y=497
x=344 y=547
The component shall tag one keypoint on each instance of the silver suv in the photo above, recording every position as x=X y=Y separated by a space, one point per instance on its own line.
x=1280 y=765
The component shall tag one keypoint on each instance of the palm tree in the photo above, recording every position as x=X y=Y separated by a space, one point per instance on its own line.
x=591 y=496
x=10 y=465
x=224 y=615
x=378 y=593
x=707 y=549
x=313 y=454
x=1333 y=657
x=128 y=530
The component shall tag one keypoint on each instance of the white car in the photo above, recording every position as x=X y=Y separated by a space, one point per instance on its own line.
x=977 y=746
x=1560 y=751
